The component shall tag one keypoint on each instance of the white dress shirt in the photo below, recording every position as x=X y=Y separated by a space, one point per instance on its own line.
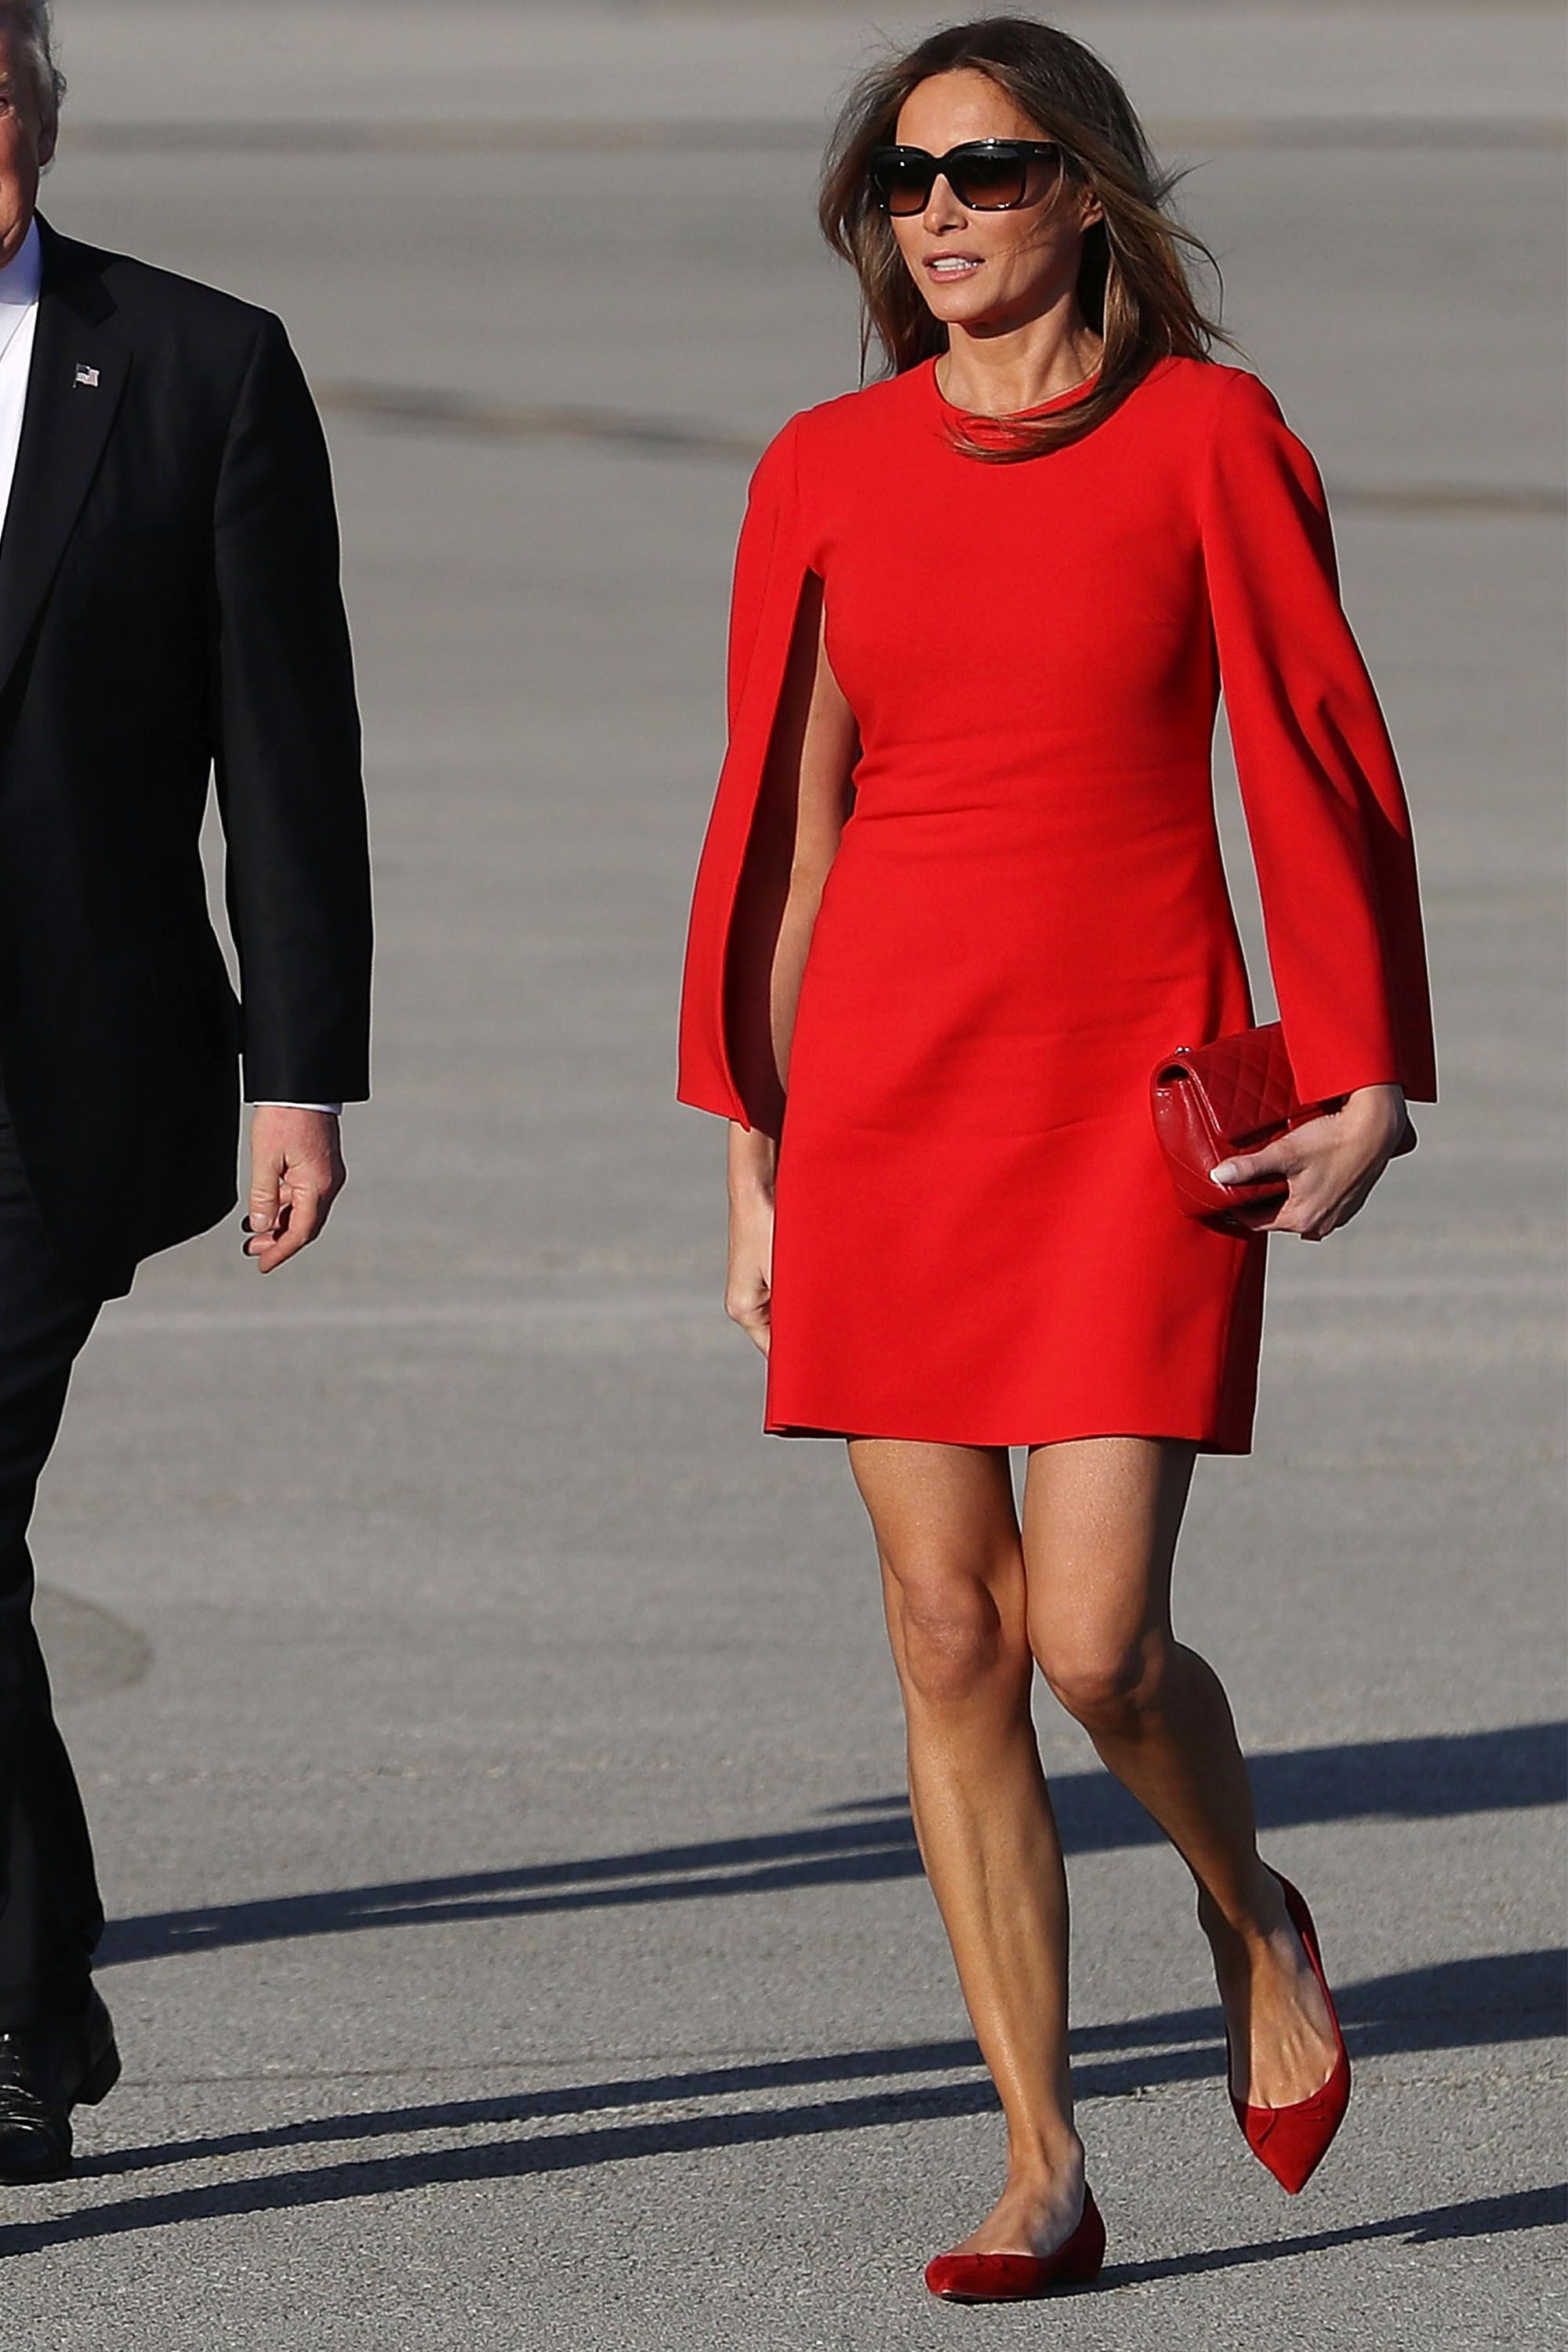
x=20 y=280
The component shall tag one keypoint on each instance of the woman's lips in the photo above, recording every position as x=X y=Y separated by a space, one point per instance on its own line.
x=948 y=268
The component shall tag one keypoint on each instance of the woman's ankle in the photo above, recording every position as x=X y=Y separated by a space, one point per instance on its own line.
x=1250 y=1912
x=1045 y=2157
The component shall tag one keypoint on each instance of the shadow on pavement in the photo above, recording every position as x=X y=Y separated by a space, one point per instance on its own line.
x=1485 y=2217
x=1432 y=1778
x=548 y=2152
x=1505 y=1997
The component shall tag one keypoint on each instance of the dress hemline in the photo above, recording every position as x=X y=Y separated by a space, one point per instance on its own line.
x=1208 y=1441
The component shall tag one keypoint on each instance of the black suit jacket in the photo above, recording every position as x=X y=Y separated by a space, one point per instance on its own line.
x=169 y=612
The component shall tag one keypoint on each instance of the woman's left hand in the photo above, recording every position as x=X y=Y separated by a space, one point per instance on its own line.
x=1331 y=1164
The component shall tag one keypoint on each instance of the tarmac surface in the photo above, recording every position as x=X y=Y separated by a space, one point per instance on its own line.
x=517 y=1940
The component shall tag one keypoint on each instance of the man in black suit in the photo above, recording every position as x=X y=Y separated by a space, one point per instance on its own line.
x=169 y=611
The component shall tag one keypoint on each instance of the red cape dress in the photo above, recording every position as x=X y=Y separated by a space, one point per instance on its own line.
x=976 y=1239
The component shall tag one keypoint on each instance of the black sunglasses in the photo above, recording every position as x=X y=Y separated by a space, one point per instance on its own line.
x=986 y=175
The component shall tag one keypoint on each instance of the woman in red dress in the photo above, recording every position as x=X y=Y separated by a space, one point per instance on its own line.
x=961 y=890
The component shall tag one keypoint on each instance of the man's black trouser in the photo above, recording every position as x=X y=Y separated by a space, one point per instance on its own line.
x=50 y=1915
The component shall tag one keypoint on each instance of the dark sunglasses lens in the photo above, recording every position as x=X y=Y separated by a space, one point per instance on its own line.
x=902 y=184
x=989 y=184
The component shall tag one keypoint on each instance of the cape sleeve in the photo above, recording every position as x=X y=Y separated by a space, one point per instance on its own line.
x=770 y=574
x=1325 y=809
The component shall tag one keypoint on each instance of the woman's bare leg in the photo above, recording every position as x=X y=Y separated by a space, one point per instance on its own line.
x=1100 y=1520
x=953 y=1576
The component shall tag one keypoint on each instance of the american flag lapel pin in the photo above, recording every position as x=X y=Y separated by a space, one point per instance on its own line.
x=87 y=375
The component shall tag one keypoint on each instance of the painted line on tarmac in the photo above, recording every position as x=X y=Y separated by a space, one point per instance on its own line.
x=546 y=1316
x=1473 y=134
x=594 y=1316
x=420 y=407
x=1424 y=498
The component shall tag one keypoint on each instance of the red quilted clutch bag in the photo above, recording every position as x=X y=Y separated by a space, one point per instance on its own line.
x=1235 y=1095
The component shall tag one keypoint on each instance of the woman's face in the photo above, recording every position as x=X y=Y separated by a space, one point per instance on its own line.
x=988 y=272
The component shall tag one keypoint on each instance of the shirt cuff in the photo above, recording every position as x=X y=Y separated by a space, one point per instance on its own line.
x=334 y=1110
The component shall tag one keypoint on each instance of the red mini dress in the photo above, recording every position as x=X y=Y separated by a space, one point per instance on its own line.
x=976 y=1239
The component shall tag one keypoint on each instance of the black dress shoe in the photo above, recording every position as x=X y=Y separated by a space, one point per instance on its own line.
x=45 y=2071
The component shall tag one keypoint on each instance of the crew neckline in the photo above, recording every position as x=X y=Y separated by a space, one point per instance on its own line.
x=1013 y=416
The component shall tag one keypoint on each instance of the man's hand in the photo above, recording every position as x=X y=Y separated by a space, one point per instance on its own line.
x=296 y=1174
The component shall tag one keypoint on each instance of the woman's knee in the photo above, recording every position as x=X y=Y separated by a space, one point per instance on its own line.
x=953 y=1638
x=1107 y=1685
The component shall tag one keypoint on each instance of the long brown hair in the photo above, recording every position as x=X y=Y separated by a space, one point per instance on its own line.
x=1134 y=286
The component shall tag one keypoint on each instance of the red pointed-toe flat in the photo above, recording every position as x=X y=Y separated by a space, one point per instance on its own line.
x=1023 y=2278
x=1293 y=2141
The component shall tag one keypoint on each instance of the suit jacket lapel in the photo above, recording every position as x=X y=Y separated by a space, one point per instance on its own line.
x=74 y=390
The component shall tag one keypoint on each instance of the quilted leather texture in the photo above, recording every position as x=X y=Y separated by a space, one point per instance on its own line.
x=1235 y=1095
x=1247 y=1080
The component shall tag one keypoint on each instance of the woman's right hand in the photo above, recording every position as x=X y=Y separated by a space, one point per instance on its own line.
x=748 y=1287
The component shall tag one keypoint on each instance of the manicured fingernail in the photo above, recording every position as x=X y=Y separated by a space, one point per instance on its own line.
x=1222 y=1174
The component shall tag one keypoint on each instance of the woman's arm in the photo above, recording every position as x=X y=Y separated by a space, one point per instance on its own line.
x=805 y=801
x=1326 y=815
x=1325 y=806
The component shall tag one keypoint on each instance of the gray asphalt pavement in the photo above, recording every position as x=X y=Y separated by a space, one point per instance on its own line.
x=517 y=1936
